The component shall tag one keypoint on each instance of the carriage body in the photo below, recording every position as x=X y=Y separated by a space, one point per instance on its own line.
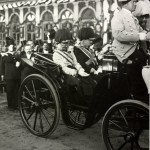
x=43 y=96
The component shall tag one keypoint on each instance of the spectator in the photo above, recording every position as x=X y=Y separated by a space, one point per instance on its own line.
x=11 y=74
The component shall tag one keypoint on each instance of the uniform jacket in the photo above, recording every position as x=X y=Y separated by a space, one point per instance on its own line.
x=9 y=68
x=85 y=58
x=125 y=29
x=66 y=61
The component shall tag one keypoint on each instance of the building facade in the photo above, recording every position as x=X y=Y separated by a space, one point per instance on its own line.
x=30 y=20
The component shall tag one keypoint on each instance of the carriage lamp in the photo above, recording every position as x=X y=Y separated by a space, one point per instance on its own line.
x=109 y=64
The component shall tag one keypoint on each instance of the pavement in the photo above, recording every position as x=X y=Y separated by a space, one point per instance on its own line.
x=3 y=100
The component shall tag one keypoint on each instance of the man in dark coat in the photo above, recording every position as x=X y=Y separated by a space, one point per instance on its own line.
x=11 y=73
x=85 y=56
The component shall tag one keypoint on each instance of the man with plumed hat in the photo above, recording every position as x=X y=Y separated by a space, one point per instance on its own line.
x=11 y=74
x=64 y=56
x=129 y=44
x=85 y=56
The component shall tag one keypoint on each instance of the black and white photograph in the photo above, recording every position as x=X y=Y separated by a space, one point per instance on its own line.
x=74 y=74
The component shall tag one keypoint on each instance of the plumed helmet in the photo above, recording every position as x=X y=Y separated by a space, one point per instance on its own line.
x=85 y=33
x=63 y=35
x=9 y=41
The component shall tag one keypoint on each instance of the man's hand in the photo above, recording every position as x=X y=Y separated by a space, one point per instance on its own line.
x=2 y=77
x=73 y=72
x=148 y=36
x=17 y=64
x=83 y=73
x=4 y=54
x=142 y=36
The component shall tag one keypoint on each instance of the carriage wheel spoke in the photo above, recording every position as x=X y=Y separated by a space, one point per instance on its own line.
x=138 y=146
x=125 y=120
x=45 y=118
x=35 y=120
x=29 y=92
x=122 y=145
x=132 y=145
x=31 y=114
x=112 y=122
x=41 y=123
x=51 y=114
x=29 y=100
x=33 y=88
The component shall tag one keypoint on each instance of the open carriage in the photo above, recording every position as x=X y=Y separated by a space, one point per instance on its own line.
x=43 y=96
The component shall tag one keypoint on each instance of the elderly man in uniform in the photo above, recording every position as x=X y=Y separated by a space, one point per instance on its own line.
x=129 y=45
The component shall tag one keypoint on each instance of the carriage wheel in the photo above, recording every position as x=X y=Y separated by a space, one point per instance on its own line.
x=39 y=105
x=125 y=126
x=77 y=118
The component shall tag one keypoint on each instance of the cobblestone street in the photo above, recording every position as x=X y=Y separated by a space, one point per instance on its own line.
x=15 y=136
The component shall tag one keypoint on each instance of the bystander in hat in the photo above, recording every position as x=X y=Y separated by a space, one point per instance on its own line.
x=9 y=41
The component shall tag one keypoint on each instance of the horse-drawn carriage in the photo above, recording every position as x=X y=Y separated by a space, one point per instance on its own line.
x=43 y=96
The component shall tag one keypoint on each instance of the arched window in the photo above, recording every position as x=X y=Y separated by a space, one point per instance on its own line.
x=30 y=27
x=47 y=24
x=14 y=28
x=2 y=32
x=67 y=20
x=87 y=18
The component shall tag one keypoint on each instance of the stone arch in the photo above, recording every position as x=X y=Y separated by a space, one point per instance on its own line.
x=14 y=17
x=46 y=12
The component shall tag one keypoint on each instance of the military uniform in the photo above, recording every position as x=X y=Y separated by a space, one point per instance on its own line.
x=129 y=49
x=86 y=58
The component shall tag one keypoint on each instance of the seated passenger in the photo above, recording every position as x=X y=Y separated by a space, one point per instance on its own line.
x=69 y=63
x=86 y=56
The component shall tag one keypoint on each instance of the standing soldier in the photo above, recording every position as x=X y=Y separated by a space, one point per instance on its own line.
x=11 y=73
x=129 y=45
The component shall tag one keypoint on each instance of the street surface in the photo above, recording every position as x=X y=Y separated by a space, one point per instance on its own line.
x=15 y=136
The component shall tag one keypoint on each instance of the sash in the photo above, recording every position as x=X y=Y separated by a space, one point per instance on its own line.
x=66 y=56
x=88 y=54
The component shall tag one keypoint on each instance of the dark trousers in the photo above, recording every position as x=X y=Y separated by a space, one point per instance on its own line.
x=12 y=87
x=134 y=70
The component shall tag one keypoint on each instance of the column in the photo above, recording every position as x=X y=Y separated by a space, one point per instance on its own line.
x=55 y=15
x=98 y=9
x=37 y=15
x=76 y=11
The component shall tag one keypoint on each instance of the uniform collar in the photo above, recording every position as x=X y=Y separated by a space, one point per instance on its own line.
x=127 y=11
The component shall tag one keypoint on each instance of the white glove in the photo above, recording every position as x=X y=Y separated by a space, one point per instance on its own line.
x=142 y=36
x=4 y=54
x=148 y=36
x=17 y=64
x=2 y=77
x=32 y=58
x=73 y=72
x=83 y=73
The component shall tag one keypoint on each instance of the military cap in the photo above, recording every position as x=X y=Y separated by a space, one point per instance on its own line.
x=63 y=35
x=9 y=41
x=85 y=33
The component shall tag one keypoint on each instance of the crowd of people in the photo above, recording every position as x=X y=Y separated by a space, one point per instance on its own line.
x=78 y=57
